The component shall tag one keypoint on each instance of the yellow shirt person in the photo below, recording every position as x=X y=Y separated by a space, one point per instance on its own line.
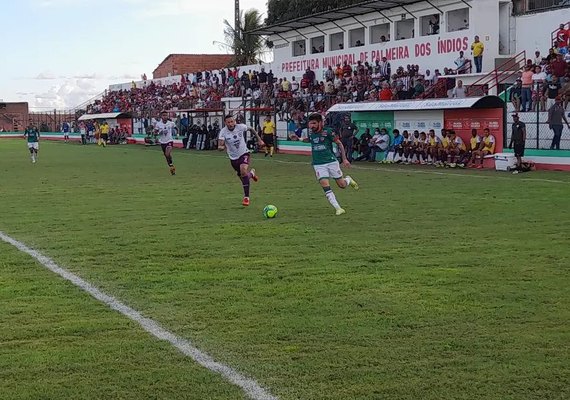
x=268 y=128
x=268 y=131
x=477 y=48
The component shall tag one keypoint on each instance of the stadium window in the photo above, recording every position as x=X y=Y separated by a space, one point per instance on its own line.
x=405 y=29
x=380 y=33
x=458 y=20
x=429 y=25
x=337 y=41
x=318 y=44
x=299 y=48
x=356 y=37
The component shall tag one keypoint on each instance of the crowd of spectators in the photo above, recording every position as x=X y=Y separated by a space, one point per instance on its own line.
x=544 y=78
x=377 y=81
x=343 y=83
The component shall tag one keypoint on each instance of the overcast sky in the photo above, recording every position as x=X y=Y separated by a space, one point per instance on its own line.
x=60 y=53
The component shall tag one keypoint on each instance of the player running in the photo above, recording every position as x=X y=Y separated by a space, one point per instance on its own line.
x=33 y=137
x=232 y=139
x=165 y=131
x=325 y=164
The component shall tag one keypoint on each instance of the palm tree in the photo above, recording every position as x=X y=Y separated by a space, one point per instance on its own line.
x=247 y=49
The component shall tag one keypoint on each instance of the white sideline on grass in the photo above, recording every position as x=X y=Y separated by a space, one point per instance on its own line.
x=252 y=389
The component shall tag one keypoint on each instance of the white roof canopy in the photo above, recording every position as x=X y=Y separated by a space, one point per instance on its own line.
x=114 y=115
x=417 y=105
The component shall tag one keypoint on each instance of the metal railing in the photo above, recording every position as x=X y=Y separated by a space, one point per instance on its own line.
x=504 y=71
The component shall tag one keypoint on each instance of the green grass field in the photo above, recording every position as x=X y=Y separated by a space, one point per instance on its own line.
x=436 y=284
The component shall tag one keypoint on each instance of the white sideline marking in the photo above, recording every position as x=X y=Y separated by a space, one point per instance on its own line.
x=249 y=386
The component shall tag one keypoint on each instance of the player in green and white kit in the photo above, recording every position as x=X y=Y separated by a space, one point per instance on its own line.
x=324 y=161
x=33 y=136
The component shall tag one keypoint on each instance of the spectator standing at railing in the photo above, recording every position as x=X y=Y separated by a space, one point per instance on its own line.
x=537 y=58
x=538 y=89
x=526 y=89
x=294 y=85
x=478 y=48
x=459 y=91
x=552 y=91
x=262 y=77
x=385 y=69
x=562 y=38
x=556 y=114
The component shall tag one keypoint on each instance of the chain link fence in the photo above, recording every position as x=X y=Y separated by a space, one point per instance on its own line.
x=539 y=132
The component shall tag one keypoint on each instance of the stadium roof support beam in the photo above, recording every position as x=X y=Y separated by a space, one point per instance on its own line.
x=331 y=16
x=278 y=34
x=320 y=30
x=466 y=3
x=338 y=26
x=296 y=30
x=374 y=9
x=357 y=20
x=434 y=6
x=384 y=15
x=409 y=12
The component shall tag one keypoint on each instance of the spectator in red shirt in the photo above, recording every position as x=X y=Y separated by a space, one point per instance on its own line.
x=386 y=93
x=558 y=66
x=346 y=69
x=562 y=37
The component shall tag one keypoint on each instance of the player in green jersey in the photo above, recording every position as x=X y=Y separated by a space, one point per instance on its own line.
x=325 y=164
x=33 y=137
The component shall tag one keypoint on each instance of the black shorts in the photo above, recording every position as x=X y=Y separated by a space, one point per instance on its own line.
x=166 y=146
x=268 y=139
x=519 y=149
x=104 y=136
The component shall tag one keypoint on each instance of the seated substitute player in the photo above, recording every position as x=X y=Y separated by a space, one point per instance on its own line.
x=407 y=146
x=325 y=164
x=473 y=146
x=434 y=142
x=232 y=139
x=444 y=147
x=421 y=150
x=165 y=131
x=268 y=136
x=33 y=138
x=397 y=151
x=487 y=147
x=414 y=147
x=456 y=149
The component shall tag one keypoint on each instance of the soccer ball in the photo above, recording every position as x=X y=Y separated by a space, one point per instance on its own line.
x=270 y=211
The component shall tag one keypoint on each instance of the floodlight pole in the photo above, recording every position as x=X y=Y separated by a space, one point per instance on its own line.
x=237 y=28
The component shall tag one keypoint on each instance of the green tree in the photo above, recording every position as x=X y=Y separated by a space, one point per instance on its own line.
x=247 y=49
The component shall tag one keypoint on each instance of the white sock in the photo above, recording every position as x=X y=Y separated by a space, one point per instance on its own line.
x=348 y=180
x=332 y=199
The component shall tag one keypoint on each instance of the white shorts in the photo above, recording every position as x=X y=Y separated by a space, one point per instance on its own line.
x=34 y=145
x=328 y=171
